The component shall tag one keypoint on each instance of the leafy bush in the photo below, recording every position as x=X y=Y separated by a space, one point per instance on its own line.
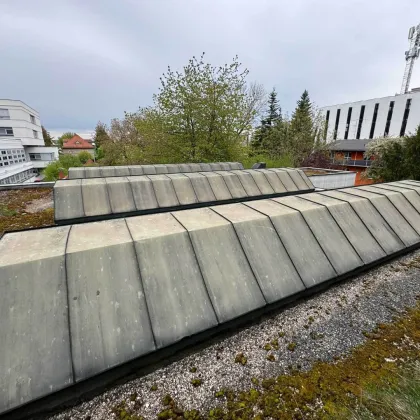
x=84 y=156
x=52 y=171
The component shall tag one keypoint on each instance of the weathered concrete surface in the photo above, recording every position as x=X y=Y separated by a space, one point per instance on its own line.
x=338 y=249
x=35 y=349
x=120 y=194
x=202 y=187
x=164 y=190
x=261 y=181
x=233 y=183
x=68 y=202
x=136 y=170
x=215 y=166
x=230 y=282
x=108 y=171
x=373 y=220
x=274 y=180
x=247 y=182
x=409 y=193
x=176 y=296
x=143 y=192
x=296 y=177
x=122 y=171
x=195 y=167
x=149 y=170
x=307 y=181
x=76 y=173
x=93 y=172
x=390 y=213
x=401 y=203
x=225 y=166
x=108 y=313
x=267 y=257
x=285 y=179
x=184 y=167
x=172 y=168
x=236 y=165
x=205 y=167
x=95 y=197
x=218 y=185
x=183 y=189
x=356 y=232
x=301 y=245
x=161 y=169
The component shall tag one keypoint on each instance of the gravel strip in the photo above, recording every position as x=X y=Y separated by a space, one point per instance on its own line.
x=322 y=327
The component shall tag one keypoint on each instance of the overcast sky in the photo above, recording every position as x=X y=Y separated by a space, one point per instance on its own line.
x=80 y=61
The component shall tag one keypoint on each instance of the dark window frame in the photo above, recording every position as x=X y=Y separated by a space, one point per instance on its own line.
x=337 y=122
x=405 y=117
x=374 y=118
x=346 y=133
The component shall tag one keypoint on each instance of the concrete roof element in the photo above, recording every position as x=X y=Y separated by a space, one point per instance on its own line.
x=101 y=198
x=91 y=296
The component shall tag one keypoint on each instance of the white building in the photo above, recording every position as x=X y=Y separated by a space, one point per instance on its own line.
x=391 y=116
x=22 y=149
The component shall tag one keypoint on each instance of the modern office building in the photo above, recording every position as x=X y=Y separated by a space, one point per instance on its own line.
x=391 y=116
x=22 y=149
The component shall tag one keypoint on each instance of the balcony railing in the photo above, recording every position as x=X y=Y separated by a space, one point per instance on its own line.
x=350 y=162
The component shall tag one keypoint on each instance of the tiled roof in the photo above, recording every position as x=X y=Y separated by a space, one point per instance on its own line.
x=76 y=142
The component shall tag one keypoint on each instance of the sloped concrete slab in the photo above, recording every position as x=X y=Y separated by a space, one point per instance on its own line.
x=35 y=357
x=285 y=179
x=183 y=189
x=120 y=195
x=108 y=171
x=273 y=180
x=356 y=232
x=218 y=186
x=68 y=202
x=307 y=181
x=205 y=167
x=225 y=166
x=143 y=192
x=308 y=257
x=269 y=261
x=149 y=170
x=201 y=187
x=95 y=197
x=215 y=166
x=390 y=213
x=372 y=219
x=230 y=282
x=236 y=165
x=233 y=183
x=164 y=190
x=161 y=169
x=261 y=181
x=93 y=172
x=108 y=312
x=136 y=170
x=184 y=167
x=172 y=168
x=411 y=193
x=177 y=299
x=76 y=173
x=296 y=177
x=338 y=249
x=248 y=183
x=122 y=171
x=195 y=167
x=401 y=203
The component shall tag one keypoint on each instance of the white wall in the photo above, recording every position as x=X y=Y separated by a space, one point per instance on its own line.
x=396 y=120
x=20 y=121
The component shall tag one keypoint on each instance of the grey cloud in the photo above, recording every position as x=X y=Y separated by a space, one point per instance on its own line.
x=78 y=62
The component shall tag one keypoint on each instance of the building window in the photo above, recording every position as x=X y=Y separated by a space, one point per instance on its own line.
x=6 y=131
x=346 y=134
x=347 y=155
x=372 y=127
x=405 y=117
x=389 y=118
x=32 y=119
x=327 y=118
x=35 y=133
x=337 y=121
x=4 y=114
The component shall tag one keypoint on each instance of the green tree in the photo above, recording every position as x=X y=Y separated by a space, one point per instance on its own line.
x=64 y=136
x=47 y=137
x=84 y=156
x=101 y=134
x=302 y=131
x=65 y=161
x=205 y=111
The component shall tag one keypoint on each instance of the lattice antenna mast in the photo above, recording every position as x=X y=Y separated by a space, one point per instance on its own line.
x=410 y=56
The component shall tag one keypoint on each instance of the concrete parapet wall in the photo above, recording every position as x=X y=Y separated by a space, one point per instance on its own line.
x=78 y=300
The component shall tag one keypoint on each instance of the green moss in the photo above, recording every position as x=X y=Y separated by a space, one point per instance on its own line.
x=275 y=344
x=193 y=369
x=291 y=346
x=316 y=336
x=267 y=347
x=220 y=393
x=241 y=358
x=154 y=387
x=311 y=320
x=255 y=381
x=281 y=334
x=196 y=382
x=167 y=400
x=271 y=358
x=122 y=412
